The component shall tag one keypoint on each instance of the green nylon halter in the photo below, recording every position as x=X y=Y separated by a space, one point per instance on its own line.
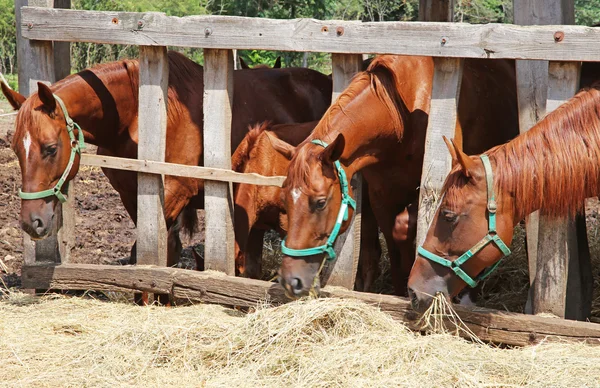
x=491 y=237
x=76 y=147
x=341 y=217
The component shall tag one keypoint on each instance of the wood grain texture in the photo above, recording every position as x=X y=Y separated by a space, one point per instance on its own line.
x=436 y=10
x=152 y=128
x=342 y=272
x=210 y=287
x=218 y=97
x=152 y=167
x=442 y=122
x=410 y=38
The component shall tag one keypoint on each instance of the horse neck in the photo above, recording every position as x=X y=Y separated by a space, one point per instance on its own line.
x=103 y=104
x=554 y=166
x=366 y=132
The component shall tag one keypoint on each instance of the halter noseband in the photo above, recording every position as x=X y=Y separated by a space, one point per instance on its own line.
x=491 y=237
x=76 y=146
x=341 y=217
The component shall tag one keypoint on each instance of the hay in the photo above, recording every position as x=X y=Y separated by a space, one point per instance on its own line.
x=74 y=342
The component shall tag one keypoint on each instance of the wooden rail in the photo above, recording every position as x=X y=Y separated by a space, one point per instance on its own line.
x=164 y=168
x=227 y=32
x=213 y=287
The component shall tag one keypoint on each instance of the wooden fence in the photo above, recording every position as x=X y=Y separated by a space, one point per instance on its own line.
x=447 y=42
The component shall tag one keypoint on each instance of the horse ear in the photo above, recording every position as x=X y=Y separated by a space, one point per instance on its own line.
x=284 y=148
x=451 y=149
x=277 y=63
x=334 y=151
x=467 y=164
x=46 y=96
x=243 y=64
x=15 y=99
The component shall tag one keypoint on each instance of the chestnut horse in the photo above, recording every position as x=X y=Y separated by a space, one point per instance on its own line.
x=104 y=102
x=378 y=126
x=552 y=167
x=260 y=208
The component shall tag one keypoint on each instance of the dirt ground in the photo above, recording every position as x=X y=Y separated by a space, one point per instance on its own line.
x=105 y=234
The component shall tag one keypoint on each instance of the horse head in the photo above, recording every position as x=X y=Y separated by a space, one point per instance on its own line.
x=318 y=203
x=44 y=145
x=456 y=251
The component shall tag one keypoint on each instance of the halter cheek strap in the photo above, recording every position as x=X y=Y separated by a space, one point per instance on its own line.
x=76 y=146
x=341 y=217
x=491 y=237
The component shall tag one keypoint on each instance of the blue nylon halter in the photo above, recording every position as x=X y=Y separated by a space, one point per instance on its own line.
x=491 y=237
x=341 y=217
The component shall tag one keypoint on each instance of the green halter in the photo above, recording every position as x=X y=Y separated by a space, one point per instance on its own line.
x=491 y=237
x=76 y=147
x=341 y=217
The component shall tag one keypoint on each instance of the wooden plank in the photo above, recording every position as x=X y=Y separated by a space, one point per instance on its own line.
x=436 y=10
x=210 y=287
x=342 y=272
x=62 y=50
x=152 y=167
x=35 y=61
x=152 y=123
x=442 y=121
x=352 y=37
x=218 y=203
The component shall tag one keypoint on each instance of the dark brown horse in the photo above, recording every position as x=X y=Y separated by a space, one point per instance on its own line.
x=260 y=208
x=552 y=167
x=104 y=102
x=378 y=126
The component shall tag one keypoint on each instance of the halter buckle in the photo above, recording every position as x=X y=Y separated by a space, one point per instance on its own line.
x=492 y=206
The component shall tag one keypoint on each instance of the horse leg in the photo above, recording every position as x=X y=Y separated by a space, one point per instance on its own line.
x=253 y=254
x=370 y=248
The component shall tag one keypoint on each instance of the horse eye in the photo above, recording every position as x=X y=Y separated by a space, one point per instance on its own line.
x=49 y=150
x=449 y=216
x=320 y=205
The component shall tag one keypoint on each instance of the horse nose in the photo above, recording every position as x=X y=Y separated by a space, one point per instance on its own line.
x=292 y=284
x=296 y=285
x=38 y=225
x=414 y=301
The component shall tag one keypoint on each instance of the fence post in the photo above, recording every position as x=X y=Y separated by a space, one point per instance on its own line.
x=343 y=271
x=152 y=129
x=36 y=62
x=557 y=250
x=218 y=204
x=437 y=162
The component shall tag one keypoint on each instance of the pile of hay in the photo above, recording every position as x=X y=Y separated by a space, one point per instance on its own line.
x=74 y=342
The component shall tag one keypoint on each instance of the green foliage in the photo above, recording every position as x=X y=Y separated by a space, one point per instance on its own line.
x=8 y=41
x=587 y=12
x=484 y=11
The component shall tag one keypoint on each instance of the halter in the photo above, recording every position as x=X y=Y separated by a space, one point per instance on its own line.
x=491 y=237
x=341 y=217
x=76 y=147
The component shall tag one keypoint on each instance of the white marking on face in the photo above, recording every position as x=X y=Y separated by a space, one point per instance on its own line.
x=295 y=194
x=27 y=144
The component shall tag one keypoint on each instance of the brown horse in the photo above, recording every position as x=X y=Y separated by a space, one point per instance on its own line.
x=260 y=208
x=244 y=65
x=104 y=102
x=552 y=167
x=378 y=126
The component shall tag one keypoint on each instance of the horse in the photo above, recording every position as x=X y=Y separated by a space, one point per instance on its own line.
x=378 y=126
x=244 y=65
x=259 y=208
x=103 y=101
x=552 y=167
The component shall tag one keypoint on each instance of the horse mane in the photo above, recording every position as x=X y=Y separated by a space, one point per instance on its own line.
x=381 y=80
x=242 y=153
x=556 y=164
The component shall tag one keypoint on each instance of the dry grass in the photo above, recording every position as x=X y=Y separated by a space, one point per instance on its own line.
x=74 y=342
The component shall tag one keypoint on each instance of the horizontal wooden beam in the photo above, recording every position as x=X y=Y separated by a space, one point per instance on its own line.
x=212 y=287
x=558 y=43
x=208 y=173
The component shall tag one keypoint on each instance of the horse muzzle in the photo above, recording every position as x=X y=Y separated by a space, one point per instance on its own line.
x=38 y=223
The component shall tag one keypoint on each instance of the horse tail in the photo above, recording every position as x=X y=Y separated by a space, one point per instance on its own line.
x=242 y=153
